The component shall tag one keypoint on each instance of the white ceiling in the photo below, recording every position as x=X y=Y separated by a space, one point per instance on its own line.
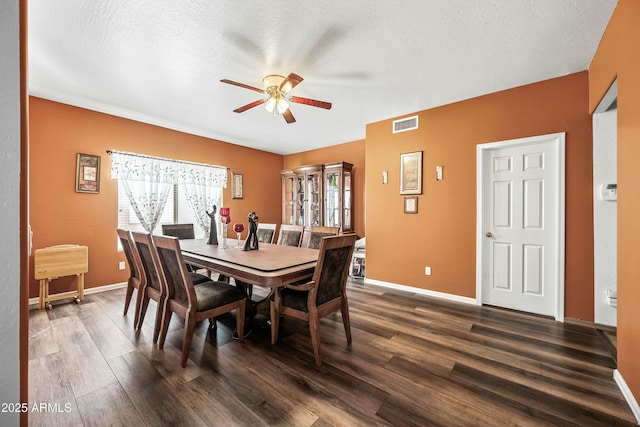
x=161 y=61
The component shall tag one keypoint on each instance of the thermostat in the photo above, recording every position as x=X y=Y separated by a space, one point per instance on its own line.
x=609 y=191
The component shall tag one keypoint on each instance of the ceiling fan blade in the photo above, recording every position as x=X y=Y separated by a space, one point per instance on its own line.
x=291 y=81
x=288 y=116
x=312 y=102
x=231 y=82
x=248 y=106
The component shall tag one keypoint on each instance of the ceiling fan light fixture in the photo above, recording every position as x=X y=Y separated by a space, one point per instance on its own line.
x=276 y=104
x=282 y=105
x=272 y=80
x=270 y=104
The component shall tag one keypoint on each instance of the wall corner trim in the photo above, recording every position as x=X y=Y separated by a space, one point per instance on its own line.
x=628 y=395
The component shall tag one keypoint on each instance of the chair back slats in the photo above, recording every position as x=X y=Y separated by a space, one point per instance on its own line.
x=266 y=232
x=181 y=231
x=317 y=233
x=130 y=252
x=290 y=235
x=137 y=277
x=335 y=267
x=149 y=261
x=177 y=279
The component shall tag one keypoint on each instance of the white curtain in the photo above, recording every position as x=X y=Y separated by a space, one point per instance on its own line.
x=203 y=186
x=148 y=180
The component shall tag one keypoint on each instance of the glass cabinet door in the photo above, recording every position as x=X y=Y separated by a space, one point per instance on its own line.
x=301 y=201
x=332 y=199
x=314 y=200
x=289 y=199
x=347 y=226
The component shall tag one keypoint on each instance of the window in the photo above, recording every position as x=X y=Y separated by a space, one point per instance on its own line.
x=176 y=211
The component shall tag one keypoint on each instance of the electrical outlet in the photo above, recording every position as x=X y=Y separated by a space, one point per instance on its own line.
x=121 y=265
x=427 y=271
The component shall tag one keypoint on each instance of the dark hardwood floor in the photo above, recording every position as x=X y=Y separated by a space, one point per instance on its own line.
x=414 y=360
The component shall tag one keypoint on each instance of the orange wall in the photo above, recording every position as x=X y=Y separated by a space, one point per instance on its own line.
x=60 y=215
x=351 y=152
x=618 y=56
x=443 y=233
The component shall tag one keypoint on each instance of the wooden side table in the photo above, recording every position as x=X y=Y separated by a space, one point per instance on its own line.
x=58 y=261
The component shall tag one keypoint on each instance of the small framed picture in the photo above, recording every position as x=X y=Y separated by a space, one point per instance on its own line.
x=236 y=186
x=87 y=173
x=411 y=173
x=411 y=205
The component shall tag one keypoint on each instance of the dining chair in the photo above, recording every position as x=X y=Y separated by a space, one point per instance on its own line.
x=290 y=235
x=266 y=232
x=317 y=233
x=193 y=303
x=181 y=231
x=152 y=288
x=324 y=294
x=136 y=273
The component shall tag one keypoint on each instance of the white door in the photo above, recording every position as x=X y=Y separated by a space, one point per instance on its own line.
x=521 y=224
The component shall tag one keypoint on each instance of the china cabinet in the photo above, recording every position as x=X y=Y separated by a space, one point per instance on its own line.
x=318 y=195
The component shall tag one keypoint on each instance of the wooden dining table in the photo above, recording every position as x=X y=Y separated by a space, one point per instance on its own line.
x=269 y=266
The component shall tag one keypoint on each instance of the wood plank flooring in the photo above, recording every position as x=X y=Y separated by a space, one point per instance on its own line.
x=414 y=361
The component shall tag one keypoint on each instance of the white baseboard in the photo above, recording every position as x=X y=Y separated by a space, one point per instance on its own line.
x=628 y=396
x=442 y=295
x=33 y=302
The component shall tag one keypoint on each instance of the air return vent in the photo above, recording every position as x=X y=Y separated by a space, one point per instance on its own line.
x=403 y=125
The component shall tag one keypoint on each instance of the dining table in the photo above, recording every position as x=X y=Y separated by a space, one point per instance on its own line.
x=269 y=266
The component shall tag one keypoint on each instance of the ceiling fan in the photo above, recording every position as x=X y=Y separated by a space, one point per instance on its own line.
x=277 y=89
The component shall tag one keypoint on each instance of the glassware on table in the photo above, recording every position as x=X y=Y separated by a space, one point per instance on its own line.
x=238 y=228
x=225 y=220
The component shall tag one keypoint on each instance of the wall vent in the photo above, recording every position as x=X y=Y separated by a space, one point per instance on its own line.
x=403 y=125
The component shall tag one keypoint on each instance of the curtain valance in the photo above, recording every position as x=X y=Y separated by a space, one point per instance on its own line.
x=139 y=167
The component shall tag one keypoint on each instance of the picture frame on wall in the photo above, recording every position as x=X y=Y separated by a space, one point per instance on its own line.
x=411 y=173
x=411 y=205
x=87 y=173
x=236 y=186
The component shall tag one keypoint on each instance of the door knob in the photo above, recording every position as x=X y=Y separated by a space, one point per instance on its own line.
x=488 y=234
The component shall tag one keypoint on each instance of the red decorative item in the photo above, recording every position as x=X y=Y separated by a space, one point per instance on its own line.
x=238 y=227
x=225 y=212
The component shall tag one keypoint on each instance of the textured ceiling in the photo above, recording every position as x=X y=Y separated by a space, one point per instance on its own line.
x=161 y=61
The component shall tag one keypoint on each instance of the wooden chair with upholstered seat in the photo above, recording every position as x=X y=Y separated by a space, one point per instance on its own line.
x=317 y=233
x=193 y=303
x=266 y=232
x=324 y=294
x=136 y=275
x=290 y=235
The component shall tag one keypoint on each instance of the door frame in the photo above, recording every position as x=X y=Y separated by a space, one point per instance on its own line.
x=482 y=153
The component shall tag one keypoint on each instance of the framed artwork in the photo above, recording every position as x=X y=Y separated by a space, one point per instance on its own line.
x=87 y=173
x=411 y=205
x=236 y=186
x=411 y=173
